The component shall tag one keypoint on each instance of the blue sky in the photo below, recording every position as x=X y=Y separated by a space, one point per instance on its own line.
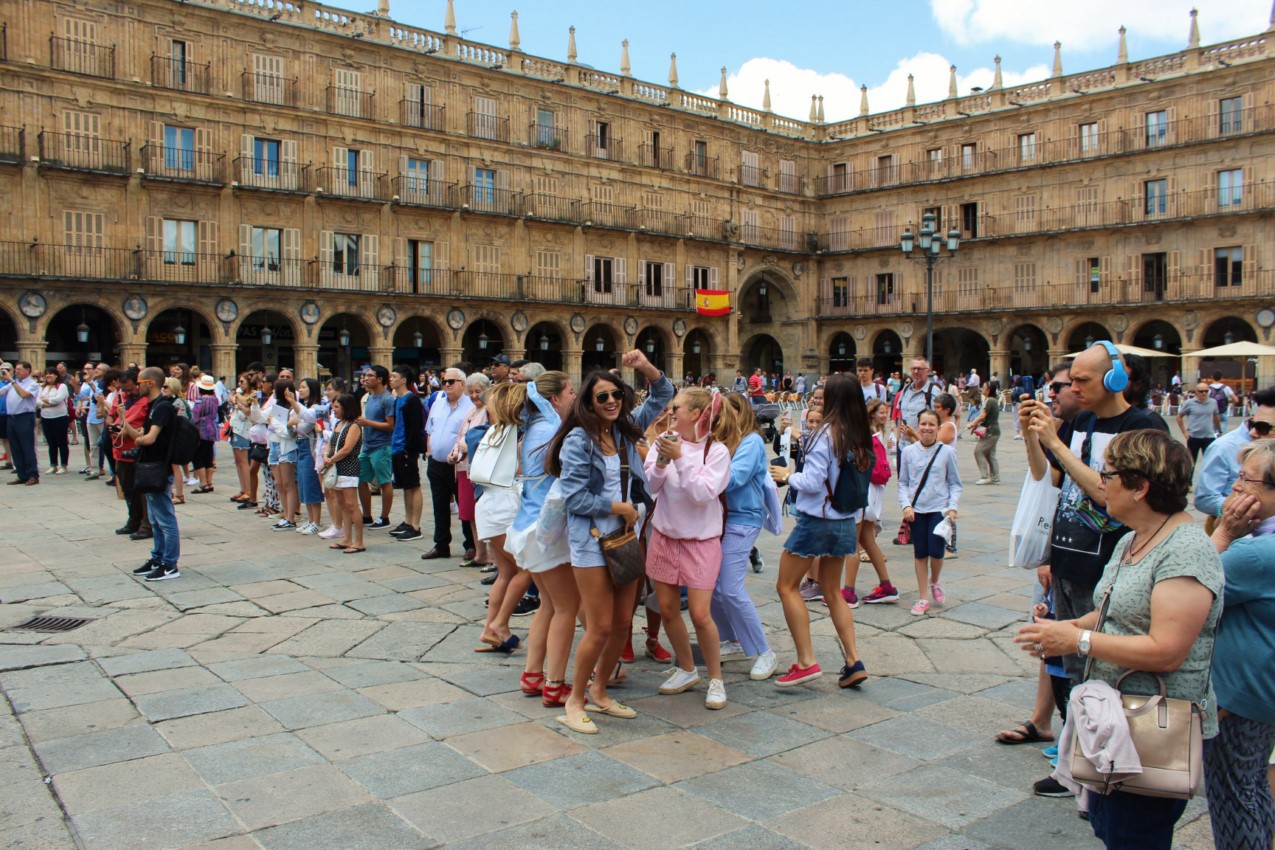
x=830 y=48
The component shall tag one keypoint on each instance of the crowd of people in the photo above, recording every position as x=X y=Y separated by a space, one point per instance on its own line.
x=584 y=505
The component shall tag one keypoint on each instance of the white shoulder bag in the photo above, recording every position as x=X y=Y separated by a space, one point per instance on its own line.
x=495 y=460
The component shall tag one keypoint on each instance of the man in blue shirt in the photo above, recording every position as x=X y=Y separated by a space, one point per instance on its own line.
x=1220 y=467
x=6 y=378
x=95 y=409
x=20 y=395
x=375 y=460
x=442 y=427
x=407 y=444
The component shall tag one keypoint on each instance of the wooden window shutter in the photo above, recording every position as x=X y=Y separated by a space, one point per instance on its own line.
x=325 y=257
x=371 y=261
x=340 y=167
x=620 y=265
x=402 y=267
x=247 y=155
x=712 y=278
x=436 y=170
x=290 y=254
x=1174 y=271
x=288 y=168
x=588 y=267
x=690 y=276
x=442 y=254
x=204 y=154
x=1249 y=267
x=247 y=270
x=209 y=259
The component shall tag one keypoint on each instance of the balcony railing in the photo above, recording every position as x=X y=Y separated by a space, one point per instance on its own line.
x=13 y=143
x=179 y=74
x=487 y=199
x=277 y=175
x=183 y=164
x=751 y=175
x=609 y=215
x=636 y=295
x=1119 y=292
x=82 y=57
x=423 y=116
x=606 y=147
x=418 y=192
x=481 y=125
x=365 y=277
x=661 y=221
x=702 y=166
x=549 y=137
x=359 y=183
x=270 y=271
x=352 y=103
x=75 y=152
x=653 y=156
x=552 y=208
x=774 y=237
x=269 y=88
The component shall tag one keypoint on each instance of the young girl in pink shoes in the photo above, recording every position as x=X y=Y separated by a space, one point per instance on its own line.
x=688 y=471
x=929 y=491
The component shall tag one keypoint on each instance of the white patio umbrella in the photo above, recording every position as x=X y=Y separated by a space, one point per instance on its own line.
x=1243 y=350
x=1134 y=349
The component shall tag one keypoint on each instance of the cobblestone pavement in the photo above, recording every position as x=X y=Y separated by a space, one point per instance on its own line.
x=282 y=695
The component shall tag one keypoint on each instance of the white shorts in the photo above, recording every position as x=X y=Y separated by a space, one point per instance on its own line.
x=347 y=482
x=495 y=511
x=530 y=553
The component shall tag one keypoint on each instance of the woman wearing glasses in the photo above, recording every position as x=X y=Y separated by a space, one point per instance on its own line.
x=1163 y=592
x=1235 y=765
x=594 y=454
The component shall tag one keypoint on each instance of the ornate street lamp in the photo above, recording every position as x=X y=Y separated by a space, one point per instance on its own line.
x=267 y=335
x=179 y=332
x=483 y=340
x=695 y=348
x=544 y=342
x=1158 y=341
x=930 y=248
x=343 y=338
x=600 y=345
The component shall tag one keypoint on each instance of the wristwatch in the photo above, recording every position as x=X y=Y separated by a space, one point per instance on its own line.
x=1082 y=648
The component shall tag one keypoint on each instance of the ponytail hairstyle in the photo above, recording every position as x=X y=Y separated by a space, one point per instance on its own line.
x=845 y=421
x=505 y=403
x=708 y=405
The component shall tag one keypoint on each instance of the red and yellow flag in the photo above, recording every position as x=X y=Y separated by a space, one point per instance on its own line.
x=712 y=302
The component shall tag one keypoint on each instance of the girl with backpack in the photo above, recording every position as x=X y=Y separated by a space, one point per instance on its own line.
x=825 y=535
x=869 y=525
x=929 y=490
x=750 y=501
x=689 y=471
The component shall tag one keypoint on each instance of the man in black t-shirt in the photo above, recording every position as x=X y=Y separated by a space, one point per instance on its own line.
x=1084 y=537
x=154 y=445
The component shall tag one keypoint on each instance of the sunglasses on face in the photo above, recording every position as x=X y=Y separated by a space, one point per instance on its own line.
x=613 y=395
x=447 y=382
x=1263 y=429
x=1058 y=386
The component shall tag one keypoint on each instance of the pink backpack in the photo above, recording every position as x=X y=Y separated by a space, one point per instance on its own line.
x=881 y=468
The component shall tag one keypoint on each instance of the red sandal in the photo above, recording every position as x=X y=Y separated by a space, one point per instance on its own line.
x=555 y=695
x=532 y=684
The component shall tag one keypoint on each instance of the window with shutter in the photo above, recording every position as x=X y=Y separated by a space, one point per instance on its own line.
x=788 y=232
x=485 y=120
x=548 y=263
x=750 y=226
x=180 y=239
x=267 y=79
x=749 y=168
x=289 y=169
x=788 y=176
x=81 y=142
x=885 y=230
x=1230 y=188
x=347 y=92
x=83 y=238
x=292 y=256
x=1025 y=213
x=77 y=49
x=839 y=233
x=370 y=262
x=1228 y=265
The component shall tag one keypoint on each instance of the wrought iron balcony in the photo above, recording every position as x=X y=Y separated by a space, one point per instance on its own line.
x=480 y=125
x=703 y=166
x=653 y=156
x=361 y=184
x=550 y=137
x=269 y=88
x=604 y=146
x=423 y=116
x=274 y=175
x=179 y=74
x=13 y=143
x=419 y=192
x=77 y=152
x=82 y=57
x=183 y=164
x=351 y=103
x=488 y=199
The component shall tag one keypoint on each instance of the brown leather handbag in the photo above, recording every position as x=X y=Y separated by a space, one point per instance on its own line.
x=621 y=549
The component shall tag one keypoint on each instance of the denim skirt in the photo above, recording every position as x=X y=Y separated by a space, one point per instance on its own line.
x=309 y=490
x=815 y=537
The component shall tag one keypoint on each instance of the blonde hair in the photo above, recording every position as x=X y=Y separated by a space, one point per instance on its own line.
x=872 y=409
x=736 y=422
x=707 y=404
x=1263 y=451
x=175 y=387
x=505 y=403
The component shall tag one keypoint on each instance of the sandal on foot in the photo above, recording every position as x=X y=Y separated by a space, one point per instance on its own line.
x=1025 y=733
x=340 y=545
x=615 y=709
x=585 y=725
x=505 y=647
x=532 y=684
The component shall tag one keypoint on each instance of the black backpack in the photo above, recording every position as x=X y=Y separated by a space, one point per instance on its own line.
x=185 y=441
x=851 y=492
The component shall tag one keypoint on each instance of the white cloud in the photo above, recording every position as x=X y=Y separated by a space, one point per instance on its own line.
x=791 y=86
x=1090 y=24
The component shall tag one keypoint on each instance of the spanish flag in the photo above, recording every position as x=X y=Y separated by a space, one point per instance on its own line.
x=712 y=302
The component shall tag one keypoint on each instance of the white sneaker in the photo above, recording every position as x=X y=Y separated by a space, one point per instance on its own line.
x=983 y=481
x=731 y=648
x=192 y=481
x=764 y=666
x=716 y=694
x=331 y=533
x=679 y=681
x=307 y=528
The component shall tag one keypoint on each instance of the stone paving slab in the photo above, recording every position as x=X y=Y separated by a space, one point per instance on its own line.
x=298 y=700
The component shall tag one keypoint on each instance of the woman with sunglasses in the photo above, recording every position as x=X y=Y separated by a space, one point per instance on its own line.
x=1162 y=594
x=597 y=438
x=1235 y=765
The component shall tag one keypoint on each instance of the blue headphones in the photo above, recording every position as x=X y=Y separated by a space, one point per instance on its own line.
x=1116 y=378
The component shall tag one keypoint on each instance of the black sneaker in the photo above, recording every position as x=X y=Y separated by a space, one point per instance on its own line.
x=526 y=605
x=490 y=568
x=409 y=534
x=125 y=530
x=146 y=567
x=852 y=675
x=367 y=520
x=1050 y=787
x=488 y=581
x=381 y=524
x=163 y=573
x=399 y=529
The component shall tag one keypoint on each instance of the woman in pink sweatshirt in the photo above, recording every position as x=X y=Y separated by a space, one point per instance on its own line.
x=688 y=472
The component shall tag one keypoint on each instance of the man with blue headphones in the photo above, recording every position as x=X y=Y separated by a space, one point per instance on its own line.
x=1084 y=536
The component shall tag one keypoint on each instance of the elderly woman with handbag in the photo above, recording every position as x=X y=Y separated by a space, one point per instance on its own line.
x=1235 y=766
x=1160 y=598
x=594 y=455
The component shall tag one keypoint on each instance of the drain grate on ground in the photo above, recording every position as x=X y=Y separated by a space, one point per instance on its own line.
x=50 y=624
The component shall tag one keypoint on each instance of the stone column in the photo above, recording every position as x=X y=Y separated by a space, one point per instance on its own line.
x=448 y=356
x=381 y=355
x=305 y=355
x=1000 y=365
x=515 y=353
x=223 y=361
x=32 y=350
x=1190 y=366
x=572 y=362
x=674 y=366
x=130 y=352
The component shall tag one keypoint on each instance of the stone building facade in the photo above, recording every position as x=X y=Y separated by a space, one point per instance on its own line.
x=220 y=181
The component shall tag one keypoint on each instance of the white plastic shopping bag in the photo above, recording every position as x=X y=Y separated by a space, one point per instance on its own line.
x=552 y=526
x=1033 y=523
x=944 y=530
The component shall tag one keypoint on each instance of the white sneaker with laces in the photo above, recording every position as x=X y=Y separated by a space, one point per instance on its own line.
x=731 y=648
x=331 y=532
x=192 y=481
x=764 y=666
x=679 y=680
x=307 y=528
x=983 y=481
x=716 y=694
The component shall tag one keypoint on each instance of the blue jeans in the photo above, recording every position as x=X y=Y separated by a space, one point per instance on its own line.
x=1124 y=821
x=22 y=446
x=163 y=516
